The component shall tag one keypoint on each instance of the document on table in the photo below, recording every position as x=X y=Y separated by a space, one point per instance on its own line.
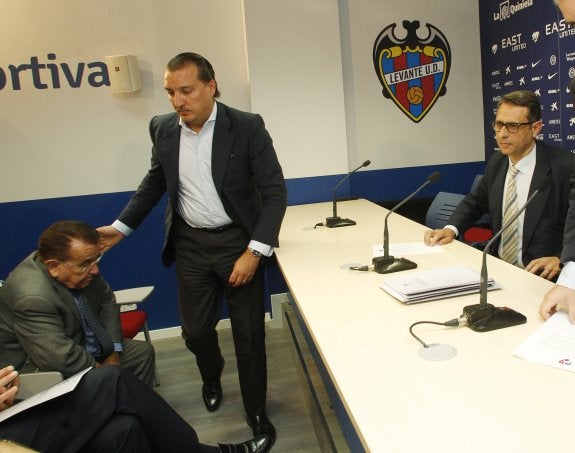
x=57 y=390
x=552 y=344
x=434 y=284
x=407 y=248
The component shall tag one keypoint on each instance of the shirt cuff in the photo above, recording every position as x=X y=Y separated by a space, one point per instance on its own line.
x=567 y=276
x=264 y=249
x=452 y=228
x=118 y=347
x=122 y=228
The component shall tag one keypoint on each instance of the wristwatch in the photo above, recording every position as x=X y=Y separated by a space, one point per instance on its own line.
x=255 y=252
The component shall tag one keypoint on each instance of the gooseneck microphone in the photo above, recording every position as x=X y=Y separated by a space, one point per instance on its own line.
x=484 y=317
x=335 y=221
x=386 y=264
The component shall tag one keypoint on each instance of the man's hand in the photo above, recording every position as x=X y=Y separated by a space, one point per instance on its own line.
x=442 y=236
x=558 y=298
x=244 y=269
x=9 y=383
x=109 y=237
x=112 y=359
x=547 y=267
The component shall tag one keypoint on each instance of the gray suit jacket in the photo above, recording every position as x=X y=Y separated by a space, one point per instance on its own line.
x=245 y=170
x=544 y=217
x=40 y=324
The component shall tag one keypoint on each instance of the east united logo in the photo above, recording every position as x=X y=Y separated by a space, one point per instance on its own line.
x=413 y=71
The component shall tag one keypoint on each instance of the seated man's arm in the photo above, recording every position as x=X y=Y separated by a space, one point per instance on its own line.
x=51 y=343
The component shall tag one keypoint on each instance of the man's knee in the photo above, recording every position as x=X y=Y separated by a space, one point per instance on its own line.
x=121 y=433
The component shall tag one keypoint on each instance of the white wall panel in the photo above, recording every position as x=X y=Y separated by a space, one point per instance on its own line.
x=296 y=83
x=85 y=140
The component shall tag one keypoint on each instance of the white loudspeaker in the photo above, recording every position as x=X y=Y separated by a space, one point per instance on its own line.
x=124 y=73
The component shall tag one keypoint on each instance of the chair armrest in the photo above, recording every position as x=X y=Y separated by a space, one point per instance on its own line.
x=133 y=295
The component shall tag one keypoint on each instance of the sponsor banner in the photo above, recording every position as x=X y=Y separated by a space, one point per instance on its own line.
x=526 y=45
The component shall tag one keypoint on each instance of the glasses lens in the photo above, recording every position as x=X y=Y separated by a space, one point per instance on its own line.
x=497 y=125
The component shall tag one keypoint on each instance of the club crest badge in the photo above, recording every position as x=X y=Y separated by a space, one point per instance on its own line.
x=412 y=70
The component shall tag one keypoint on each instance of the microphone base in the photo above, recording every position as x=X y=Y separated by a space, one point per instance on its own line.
x=486 y=317
x=334 y=222
x=387 y=265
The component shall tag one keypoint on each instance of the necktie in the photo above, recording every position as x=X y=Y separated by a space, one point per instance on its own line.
x=105 y=341
x=510 y=237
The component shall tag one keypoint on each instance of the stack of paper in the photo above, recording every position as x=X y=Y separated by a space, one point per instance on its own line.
x=435 y=284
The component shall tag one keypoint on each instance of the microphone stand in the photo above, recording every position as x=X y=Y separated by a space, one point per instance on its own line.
x=483 y=317
x=387 y=264
x=335 y=221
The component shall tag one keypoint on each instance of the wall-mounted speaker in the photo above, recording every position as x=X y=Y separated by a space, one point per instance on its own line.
x=124 y=73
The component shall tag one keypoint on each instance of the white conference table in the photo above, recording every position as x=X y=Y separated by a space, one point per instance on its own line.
x=483 y=400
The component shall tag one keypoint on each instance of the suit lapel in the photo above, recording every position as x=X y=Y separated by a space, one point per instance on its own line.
x=221 y=147
x=537 y=206
x=168 y=149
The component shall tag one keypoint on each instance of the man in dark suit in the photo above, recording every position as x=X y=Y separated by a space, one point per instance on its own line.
x=42 y=323
x=109 y=410
x=562 y=295
x=539 y=230
x=227 y=199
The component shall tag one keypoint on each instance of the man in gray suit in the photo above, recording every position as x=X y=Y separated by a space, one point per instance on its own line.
x=540 y=228
x=227 y=199
x=57 y=313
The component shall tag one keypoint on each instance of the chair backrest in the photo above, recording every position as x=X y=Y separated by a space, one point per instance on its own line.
x=441 y=208
x=475 y=182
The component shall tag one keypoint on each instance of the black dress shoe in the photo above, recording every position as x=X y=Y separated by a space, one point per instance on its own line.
x=260 y=444
x=261 y=425
x=212 y=392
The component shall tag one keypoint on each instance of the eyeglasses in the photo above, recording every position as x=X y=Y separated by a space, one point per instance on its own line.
x=86 y=267
x=511 y=127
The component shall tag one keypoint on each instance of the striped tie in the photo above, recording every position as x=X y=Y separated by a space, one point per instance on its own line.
x=510 y=237
x=106 y=345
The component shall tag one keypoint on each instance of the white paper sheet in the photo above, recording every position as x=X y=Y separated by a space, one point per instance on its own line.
x=407 y=248
x=60 y=389
x=553 y=344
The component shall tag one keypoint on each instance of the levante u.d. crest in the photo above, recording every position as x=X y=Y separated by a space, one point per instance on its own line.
x=413 y=71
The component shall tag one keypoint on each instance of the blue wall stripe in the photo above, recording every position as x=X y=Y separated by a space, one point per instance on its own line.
x=136 y=260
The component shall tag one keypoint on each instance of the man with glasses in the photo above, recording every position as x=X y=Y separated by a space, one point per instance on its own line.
x=57 y=313
x=535 y=239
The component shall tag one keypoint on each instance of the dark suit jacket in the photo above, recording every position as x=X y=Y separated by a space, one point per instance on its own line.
x=568 y=253
x=40 y=321
x=544 y=217
x=245 y=169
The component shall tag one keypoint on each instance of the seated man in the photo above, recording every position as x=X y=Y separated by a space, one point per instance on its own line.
x=109 y=410
x=57 y=313
x=535 y=239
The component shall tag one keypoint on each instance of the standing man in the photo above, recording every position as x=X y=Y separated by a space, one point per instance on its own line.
x=227 y=199
x=57 y=313
x=535 y=239
x=562 y=295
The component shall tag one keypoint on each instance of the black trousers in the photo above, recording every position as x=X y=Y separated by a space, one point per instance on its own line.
x=109 y=411
x=204 y=262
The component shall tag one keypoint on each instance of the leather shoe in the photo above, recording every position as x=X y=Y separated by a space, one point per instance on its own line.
x=261 y=425
x=259 y=444
x=212 y=392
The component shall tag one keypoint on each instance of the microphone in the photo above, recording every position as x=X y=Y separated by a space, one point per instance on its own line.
x=484 y=317
x=386 y=264
x=335 y=221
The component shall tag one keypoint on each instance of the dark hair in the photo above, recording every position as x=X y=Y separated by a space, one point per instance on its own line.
x=54 y=242
x=205 y=70
x=523 y=98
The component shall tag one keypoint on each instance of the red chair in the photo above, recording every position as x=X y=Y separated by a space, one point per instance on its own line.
x=133 y=319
